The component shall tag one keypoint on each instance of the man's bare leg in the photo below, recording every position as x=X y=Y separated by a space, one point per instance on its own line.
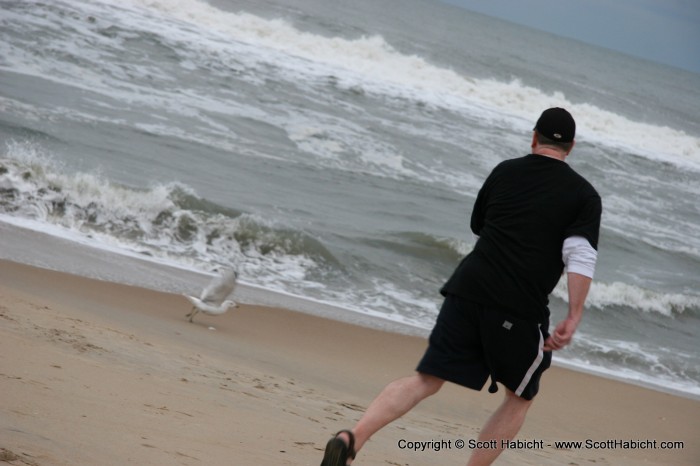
x=503 y=424
x=397 y=398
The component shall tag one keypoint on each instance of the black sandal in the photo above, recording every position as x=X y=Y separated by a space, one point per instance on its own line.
x=337 y=452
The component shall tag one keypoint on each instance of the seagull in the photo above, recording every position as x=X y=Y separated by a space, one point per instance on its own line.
x=211 y=301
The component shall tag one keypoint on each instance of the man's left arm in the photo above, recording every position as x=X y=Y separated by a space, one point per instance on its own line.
x=564 y=331
x=580 y=260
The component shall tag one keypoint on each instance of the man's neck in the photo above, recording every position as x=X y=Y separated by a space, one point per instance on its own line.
x=549 y=152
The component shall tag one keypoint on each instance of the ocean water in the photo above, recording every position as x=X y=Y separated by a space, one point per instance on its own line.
x=333 y=151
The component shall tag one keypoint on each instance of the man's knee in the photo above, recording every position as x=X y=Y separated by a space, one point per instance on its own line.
x=430 y=383
x=515 y=401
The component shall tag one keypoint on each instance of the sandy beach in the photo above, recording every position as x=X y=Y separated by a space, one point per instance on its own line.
x=97 y=373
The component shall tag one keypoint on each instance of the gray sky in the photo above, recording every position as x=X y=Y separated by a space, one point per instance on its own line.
x=664 y=31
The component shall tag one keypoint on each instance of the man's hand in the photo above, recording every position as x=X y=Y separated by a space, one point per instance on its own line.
x=562 y=335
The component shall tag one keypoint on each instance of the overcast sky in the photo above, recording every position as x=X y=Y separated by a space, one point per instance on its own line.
x=664 y=31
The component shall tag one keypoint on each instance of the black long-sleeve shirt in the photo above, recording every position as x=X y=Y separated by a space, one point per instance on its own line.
x=523 y=213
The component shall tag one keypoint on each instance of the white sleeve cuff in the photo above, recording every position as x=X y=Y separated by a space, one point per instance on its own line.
x=579 y=256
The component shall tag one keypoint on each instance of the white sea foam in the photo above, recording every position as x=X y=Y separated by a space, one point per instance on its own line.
x=375 y=66
x=366 y=63
x=662 y=383
x=640 y=362
x=604 y=295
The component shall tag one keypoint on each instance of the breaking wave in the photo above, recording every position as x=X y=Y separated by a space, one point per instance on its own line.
x=166 y=220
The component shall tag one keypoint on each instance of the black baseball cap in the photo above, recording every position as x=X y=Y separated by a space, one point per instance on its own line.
x=556 y=124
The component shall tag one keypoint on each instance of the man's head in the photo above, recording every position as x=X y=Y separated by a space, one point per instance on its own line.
x=556 y=128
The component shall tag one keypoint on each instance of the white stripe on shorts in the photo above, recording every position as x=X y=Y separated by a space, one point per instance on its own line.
x=535 y=364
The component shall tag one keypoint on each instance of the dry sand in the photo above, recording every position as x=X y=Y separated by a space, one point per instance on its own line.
x=96 y=373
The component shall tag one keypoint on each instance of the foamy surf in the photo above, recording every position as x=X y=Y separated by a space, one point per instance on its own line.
x=376 y=66
x=617 y=294
x=372 y=65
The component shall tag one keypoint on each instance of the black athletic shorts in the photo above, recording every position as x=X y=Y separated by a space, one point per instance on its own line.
x=471 y=342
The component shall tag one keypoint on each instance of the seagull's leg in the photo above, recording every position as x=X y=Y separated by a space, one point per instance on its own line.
x=192 y=314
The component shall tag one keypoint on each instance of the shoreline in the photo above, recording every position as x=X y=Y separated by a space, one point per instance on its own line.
x=56 y=252
x=95 y=372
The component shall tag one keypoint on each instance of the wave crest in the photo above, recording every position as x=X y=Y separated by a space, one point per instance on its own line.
x=166 y=219
x=604 y=295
